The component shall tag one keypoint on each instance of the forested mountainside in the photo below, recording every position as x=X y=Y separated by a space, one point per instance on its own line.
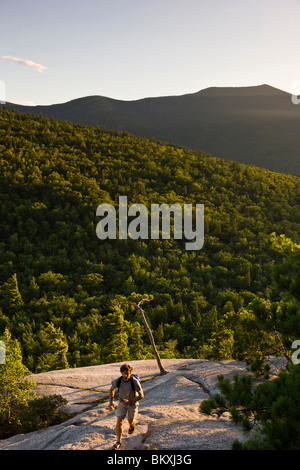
x=256 y=125
x=58 y=281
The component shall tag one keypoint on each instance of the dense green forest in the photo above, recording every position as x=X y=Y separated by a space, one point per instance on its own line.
x=59 y=282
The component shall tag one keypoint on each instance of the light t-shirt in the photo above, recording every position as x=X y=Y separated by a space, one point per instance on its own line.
x=125 y=390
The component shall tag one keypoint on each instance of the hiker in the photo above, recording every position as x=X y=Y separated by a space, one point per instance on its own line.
x=130 y=393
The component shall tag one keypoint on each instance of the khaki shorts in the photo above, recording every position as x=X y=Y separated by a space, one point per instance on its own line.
x=130 y=410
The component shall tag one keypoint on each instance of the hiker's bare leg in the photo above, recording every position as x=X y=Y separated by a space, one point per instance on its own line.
x=130 y=421
x=119 y=428
x=131 y=424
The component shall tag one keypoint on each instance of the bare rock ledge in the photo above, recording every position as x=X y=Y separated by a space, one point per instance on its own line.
x=168 y=418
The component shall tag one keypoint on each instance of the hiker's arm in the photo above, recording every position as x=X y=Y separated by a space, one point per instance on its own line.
x=111 y=397
x=139 y=396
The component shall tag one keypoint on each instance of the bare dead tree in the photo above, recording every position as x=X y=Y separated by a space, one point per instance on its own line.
x=137 y=305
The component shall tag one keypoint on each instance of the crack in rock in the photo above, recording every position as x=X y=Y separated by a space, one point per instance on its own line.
x=201 y=385
x=70 y=386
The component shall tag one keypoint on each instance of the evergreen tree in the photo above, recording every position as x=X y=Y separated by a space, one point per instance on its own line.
x=271 y=410
x=15 y=389
x=115 y=347
x=54 y=348
x=12 y=298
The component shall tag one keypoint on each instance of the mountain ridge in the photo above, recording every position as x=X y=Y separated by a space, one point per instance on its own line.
x=256 y=125
x=234 y=90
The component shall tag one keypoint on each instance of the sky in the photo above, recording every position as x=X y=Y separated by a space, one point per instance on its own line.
x=53 y=51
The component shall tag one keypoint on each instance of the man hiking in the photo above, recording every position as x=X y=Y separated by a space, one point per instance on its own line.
x=130 y=393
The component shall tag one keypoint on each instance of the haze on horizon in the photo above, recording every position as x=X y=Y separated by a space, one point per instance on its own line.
x=53 y=52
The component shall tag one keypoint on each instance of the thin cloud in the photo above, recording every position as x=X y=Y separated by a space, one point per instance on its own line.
x=28 y=63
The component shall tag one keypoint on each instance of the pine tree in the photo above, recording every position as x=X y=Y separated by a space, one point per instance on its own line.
x=15 y=389
x=12 y=298
x=271 y=409
x=115 y=347
x=54 y=348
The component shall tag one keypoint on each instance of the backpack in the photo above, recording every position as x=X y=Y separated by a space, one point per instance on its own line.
x=132 y=377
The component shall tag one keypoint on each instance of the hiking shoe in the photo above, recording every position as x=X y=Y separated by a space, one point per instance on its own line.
x=131 y=429
x=117 y=446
